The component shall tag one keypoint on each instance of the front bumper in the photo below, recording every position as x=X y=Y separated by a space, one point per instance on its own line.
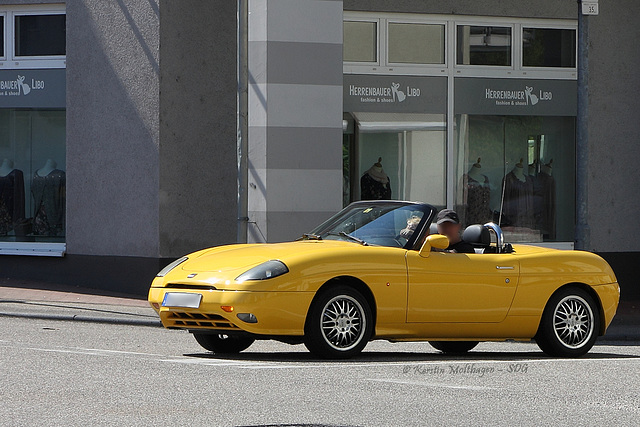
x=277 y=313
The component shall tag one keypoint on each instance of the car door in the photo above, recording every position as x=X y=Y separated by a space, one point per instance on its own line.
x=451 y=287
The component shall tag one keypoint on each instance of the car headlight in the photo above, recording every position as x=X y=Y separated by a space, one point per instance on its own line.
x=266 y=270
x=171 y=266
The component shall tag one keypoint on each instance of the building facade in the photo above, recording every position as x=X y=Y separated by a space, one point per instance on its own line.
x=132 y=132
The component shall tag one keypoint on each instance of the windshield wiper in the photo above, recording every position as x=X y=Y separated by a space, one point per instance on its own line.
x=350 y=237
x=310 y=236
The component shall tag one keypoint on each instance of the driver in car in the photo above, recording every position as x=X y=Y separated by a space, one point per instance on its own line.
x=448 y=223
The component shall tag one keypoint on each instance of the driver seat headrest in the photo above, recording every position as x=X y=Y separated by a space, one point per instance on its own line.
x=478 y=235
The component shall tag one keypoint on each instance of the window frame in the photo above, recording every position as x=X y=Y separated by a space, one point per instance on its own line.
x=378 y=47
x=438 y=66
x=10 y=60
x=450 y=67
x=546 y=27
x=513 y=52
x=3 y=15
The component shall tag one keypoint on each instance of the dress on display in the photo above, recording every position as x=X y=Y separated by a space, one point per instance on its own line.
x=476 y=196
x=49 y=197
x=11 y=200
x=518 y=201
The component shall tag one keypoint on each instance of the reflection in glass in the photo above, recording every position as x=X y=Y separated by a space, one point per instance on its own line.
x=548 y=47
x=32 y=175
x=409 y=149
x=522 y=165
x=416 y=43
x=478 y=45
x=360 y=41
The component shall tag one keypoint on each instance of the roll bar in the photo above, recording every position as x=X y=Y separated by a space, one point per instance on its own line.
x=498 y=232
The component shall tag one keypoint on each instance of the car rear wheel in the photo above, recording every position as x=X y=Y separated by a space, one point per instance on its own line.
x=223 y=344
x=453 y=347
x=339 y=323
x=569 y=325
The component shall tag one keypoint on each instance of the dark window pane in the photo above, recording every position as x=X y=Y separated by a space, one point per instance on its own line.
x=548 y=47
x=41 y=35
x=1 y=35
x=484 y=45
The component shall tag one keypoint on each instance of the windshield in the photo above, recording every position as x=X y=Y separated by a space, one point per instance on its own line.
x=393 y=224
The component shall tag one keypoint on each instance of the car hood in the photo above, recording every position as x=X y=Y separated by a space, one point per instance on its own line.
x=245 y=256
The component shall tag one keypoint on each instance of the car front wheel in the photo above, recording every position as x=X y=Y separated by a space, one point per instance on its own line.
x=223 y=344
x=339 y=323
x=570 y=324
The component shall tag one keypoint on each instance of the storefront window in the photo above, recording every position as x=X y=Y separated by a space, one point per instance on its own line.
x=548 y=47
x=32 y=175
x=480 y=45
x=40 y=35
x=399 y=157
x=360 y=41
x=522 y=166
x=416 y=43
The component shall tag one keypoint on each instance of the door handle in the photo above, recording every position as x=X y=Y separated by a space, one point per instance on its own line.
x=499 y=267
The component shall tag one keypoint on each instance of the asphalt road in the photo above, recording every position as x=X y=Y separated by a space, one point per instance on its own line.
x=76 y=373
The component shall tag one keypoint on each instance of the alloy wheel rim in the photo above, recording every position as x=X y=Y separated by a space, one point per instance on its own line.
x=573 y=322
x=343 y=322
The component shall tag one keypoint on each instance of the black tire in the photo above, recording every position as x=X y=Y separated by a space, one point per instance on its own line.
x=223 y=344
x=339 y=323
x=453 y=347
x=569 y=325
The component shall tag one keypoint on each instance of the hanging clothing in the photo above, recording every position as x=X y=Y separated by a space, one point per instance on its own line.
x=545 y=194
x=12 y=200
x=49 y=201
x=476 y=197
x=518 y=202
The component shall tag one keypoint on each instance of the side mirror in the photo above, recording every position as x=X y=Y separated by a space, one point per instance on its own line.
x=437 y=241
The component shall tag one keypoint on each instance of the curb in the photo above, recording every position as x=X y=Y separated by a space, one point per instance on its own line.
x=86 y=319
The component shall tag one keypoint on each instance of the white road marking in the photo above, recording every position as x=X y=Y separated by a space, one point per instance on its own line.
x=434 y=385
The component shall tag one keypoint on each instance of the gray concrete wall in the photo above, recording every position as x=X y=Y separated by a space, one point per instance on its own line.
x=112 y=127
x=294 y=116
x=614 y=128
x=198 y=172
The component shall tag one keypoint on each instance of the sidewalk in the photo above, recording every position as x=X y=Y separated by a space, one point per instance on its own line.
x=89 y=305
x=75 y=304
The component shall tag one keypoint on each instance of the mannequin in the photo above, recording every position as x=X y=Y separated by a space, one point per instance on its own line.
x=375 y=184
x=48 y=167
x=547 y=169
x=476 y=194
x=6 y=167
x=476 y=171
x=12 y=200
x=533 y=168
x=518 y=171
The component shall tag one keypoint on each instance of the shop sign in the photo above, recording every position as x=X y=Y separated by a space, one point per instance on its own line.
x=395 y=94
x=516 y=97
x=33 y=88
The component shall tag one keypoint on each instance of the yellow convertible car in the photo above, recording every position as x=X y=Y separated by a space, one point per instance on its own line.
x=374 y=271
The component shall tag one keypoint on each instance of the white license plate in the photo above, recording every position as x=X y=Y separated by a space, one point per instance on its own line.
x=181 y=299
